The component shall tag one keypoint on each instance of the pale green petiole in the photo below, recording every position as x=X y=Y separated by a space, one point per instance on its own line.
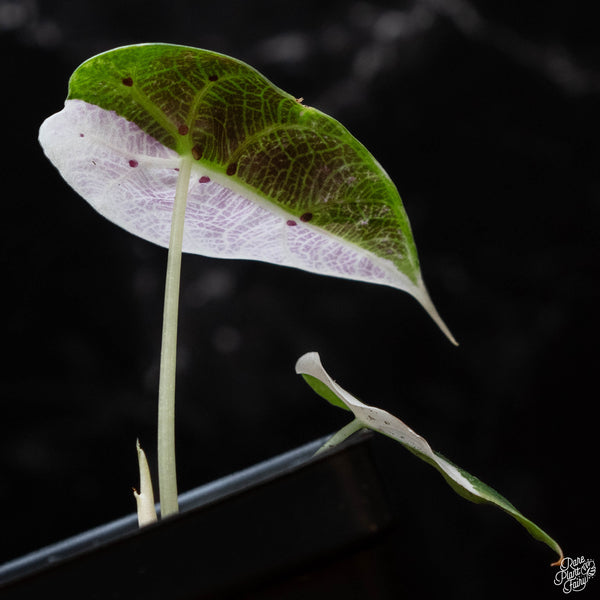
x=167 y=477
x=341 y=435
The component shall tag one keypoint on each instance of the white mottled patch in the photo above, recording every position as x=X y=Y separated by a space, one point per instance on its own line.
x=94 y=150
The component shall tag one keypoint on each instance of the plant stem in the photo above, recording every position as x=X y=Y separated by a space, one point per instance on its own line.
x=167 y=476
x=343 y=434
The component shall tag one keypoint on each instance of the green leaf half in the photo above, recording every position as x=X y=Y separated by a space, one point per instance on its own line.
x=271 y=179
x=465 y=484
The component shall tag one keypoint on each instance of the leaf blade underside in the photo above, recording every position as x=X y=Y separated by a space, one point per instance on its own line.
x=306 y=183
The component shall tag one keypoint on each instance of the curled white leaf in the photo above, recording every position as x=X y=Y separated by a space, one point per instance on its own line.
x=380 y=420
x=370 y=417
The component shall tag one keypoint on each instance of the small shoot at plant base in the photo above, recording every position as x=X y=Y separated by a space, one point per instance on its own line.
x=198 y=152
x=376 y=419
x=144 y=500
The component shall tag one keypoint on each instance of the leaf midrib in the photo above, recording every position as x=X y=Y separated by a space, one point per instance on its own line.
x=185 y=147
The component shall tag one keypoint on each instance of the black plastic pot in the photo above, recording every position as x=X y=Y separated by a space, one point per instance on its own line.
x=295 y=526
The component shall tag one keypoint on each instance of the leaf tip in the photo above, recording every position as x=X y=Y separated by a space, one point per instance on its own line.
x=307 y=359
x=422 y=295
x=561 y=557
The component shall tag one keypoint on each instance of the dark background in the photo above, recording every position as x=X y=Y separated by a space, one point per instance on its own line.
x=485 y=114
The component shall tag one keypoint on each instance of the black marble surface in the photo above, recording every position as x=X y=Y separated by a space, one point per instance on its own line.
x=485 y=114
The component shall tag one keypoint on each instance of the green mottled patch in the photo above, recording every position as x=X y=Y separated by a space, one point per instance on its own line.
x=229 y=117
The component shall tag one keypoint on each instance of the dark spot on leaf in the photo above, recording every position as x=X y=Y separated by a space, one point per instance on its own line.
x=127 y=81
x=204 y=179
x=290 y=223
x=81 y=135
x=133 y=163
x=231 y=168
x=306 y=217
x=213 y=77
x=177 y=168
x=183 y=129
x=197 y=152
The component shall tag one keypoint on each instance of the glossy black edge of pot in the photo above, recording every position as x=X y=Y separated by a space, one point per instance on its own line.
x=288 y=509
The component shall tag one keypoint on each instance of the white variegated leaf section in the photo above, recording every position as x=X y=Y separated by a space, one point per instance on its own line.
x=130 y=178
